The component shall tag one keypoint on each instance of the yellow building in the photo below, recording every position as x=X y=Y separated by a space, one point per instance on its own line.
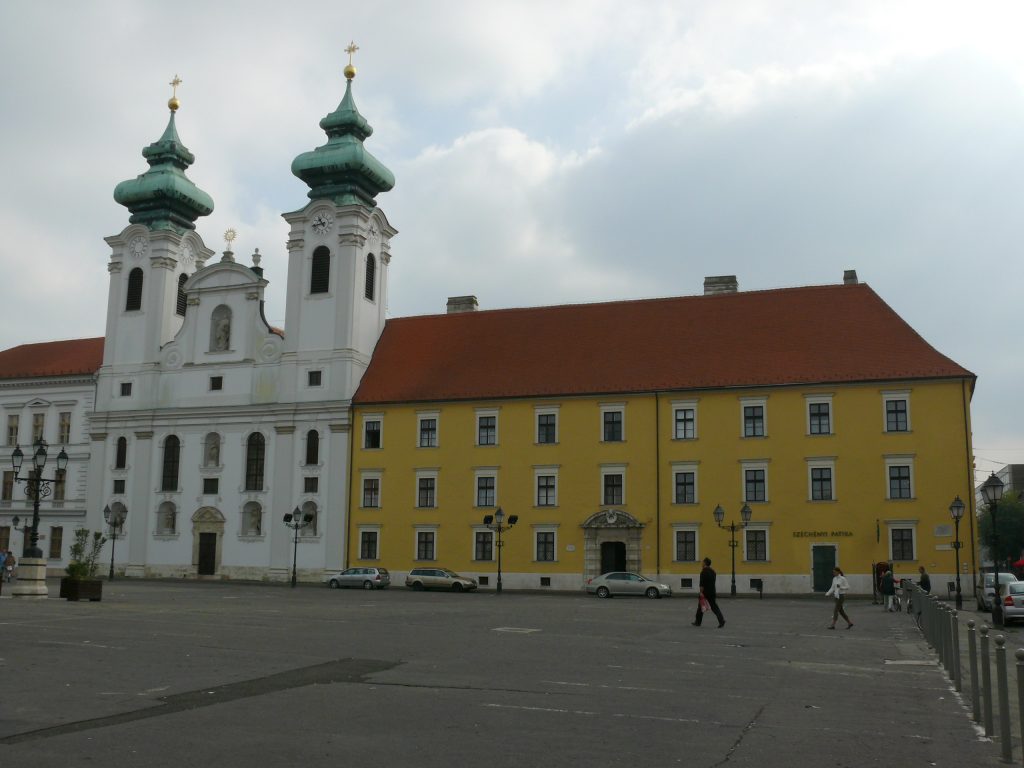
x=614 y=430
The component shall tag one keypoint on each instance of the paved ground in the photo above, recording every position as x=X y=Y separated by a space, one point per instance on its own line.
x=231 y=675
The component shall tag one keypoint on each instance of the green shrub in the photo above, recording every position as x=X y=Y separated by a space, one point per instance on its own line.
x=85 y=554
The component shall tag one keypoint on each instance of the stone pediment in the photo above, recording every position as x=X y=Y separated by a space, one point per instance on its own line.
x=612 y=518
x=207 y=515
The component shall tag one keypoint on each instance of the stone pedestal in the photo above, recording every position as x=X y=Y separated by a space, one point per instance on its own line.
x=31 y=581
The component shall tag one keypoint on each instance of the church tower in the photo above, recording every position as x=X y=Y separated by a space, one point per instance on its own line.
x=338 y=255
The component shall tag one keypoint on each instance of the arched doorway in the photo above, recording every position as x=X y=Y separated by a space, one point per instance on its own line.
x=207 y=536
x=611 y=542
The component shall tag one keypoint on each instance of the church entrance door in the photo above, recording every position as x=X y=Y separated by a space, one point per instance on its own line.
x=207 y=554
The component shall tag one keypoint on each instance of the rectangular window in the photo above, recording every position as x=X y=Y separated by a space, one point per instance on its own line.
x=896 y=416
x=5 y=538
x=487 y=430
x=821 y=483
x=119 y=486
x=899 y=481
x=546 y=490
x=902 y=543
x=425 y=492
x=371 y=434
x=485 y=491
x=686 y=546
x=311 y=484
x=754 y=484
x=60 y=484
x=65 y=428
x=545 y=546
x=612 y=426
x=820 y=419
x=216 y=383
x=483 y=545
x=8 y=487
x=371 y=492
x=56 y=542
x=612 y=489
x=686 y=488
x=313 y=378
x=424 y=545
x=686 y=424
x=368 y=545
x=753 y=421
x=210 y=486
x=126 y=389
x=12 y=430
x=428 y=433
x=757 y=544
x=547 y=428
x=38 y=426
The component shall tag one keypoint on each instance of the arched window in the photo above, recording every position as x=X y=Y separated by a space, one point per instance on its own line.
x=309 y=508
x=211 y=450
x=172 y=460
x=252 y=519
x=134 y=300
x=121 y=460
x=371 y=273
x=320 y=278
x=220 y=329
x=312 y=447
x=167 y=518
x=182 y=304
x=255 y=453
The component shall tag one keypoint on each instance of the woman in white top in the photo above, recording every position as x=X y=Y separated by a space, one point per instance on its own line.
x=840 y=586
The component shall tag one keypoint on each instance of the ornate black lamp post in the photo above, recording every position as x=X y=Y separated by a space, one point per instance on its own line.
x=115 y=519
x=496 y=523
x=956 y=510
x=296 y=521
x=992 y=490
x=37 y=487
x=732 y=527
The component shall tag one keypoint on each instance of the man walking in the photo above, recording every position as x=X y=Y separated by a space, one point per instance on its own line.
x=708 y=593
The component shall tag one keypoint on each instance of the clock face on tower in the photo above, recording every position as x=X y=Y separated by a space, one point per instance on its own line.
x=137 y=247
x=322 y=222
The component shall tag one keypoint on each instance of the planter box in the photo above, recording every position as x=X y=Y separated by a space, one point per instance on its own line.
x=76 y=589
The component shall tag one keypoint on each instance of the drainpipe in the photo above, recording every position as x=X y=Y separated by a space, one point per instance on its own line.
x=657 y=480
x=970 y=486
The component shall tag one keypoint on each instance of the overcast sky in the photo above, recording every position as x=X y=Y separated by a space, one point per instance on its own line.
x=550 y=152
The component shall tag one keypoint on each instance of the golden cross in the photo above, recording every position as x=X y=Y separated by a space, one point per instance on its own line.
x=352 y=48
x=174 y=84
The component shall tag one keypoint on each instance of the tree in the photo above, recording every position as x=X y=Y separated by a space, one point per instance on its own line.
x=1010 y=524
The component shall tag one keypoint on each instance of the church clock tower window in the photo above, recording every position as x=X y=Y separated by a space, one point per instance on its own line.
x=134 y=299
x=182 y=303
x=371 y=269
x=320 y=277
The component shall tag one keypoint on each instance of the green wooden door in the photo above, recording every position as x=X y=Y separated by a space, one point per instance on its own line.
x=823 y=560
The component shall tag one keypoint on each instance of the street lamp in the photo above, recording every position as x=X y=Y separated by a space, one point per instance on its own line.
x=115 y=519
x=296 y=521
x=956 y=509
x=992 y=490
x=37 y=487
x=732 y=527
x=496 y=523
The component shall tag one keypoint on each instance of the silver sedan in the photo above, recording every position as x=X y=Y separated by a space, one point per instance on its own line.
x=626 y=583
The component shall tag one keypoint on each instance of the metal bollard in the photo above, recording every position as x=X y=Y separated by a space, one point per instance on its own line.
x=944 y=639
x=972 y=653
x=958 y=682
x=1005 y=739
x=1019 y=653
x=986 y=682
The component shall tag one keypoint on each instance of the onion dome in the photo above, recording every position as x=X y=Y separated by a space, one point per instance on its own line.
x=343 y=170
x=163 y=197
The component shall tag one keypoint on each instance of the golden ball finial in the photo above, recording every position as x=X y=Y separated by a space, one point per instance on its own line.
x=350 y=72
x=173 y=104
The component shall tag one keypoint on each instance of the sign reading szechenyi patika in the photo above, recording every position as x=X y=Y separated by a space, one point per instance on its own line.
x=819 y=534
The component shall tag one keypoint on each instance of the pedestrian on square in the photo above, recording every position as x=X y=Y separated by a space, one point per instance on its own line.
x=10 y=564
x=840 y=586
x=708 y=593
x=888 y=591
x=925 y=581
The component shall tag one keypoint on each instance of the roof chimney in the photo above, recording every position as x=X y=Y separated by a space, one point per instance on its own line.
x=458 y=304
x=850 y=277
x=720 y=284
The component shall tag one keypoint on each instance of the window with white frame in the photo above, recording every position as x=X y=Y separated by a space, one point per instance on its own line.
x=755 y=544
x=821 y=479
x=897 y=411
x=684 y=483
x=819 y=414
x=684 y=419
x=754 y=417
x=12 y=429
x=38 y=427
x=371 y=482
x=902 y=539
x=546 y=483
x=755 y=480
x=685 y=550
x=369 y=543
x=486 y=489
x=373 y=429
x=426 y=428
x=899 y=475
x=426 y=543
x=613 y=484
x=483 y=544
x=64 y=429
x=546 y=419
x=487 y=427
x=613 y=423
x=545 y=544
x=426 y=489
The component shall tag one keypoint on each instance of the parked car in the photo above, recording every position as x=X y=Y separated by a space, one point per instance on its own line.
x=626 y=583
x=1013 y=602
x=439 y=578
x=984 y=597
x=365 y=578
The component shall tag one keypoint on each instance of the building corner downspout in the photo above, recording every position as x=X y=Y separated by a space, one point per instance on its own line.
x=657 y=481
x=970 y=486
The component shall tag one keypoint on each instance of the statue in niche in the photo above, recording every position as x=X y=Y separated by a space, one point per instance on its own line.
x=212 y=450
x=168 y=519
x=256 y=521
x=220 y=329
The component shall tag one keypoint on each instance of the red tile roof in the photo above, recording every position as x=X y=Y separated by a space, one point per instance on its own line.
x=52 y=358
x=817 y=334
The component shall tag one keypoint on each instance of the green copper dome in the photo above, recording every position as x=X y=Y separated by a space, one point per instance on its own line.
x=342 y=170
x=163 y=197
